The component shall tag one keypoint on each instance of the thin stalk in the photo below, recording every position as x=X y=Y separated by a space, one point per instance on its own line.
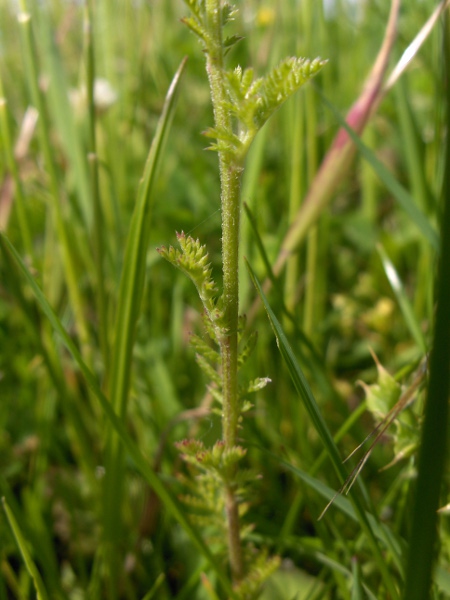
x=297 y=188
x=71 y=275
x=313 y=298
x=22 y=216
x=230 y=200
x=98 y=237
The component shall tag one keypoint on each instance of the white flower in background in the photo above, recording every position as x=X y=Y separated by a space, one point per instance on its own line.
x=104 y=96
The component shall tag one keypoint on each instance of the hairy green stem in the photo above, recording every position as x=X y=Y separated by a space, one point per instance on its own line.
x=230 y=200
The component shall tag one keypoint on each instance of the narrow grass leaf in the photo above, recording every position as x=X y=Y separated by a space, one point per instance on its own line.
x=301 y=384
x=155 y=588
x=133 y=275
x=411 y=51
x=98 y=230
x=24 y=551
x=13 y=166
x=128 y=310
x=339 y=157
x=402 y=196
x=63 y=115
x=434 y=437
x=382 y=531
x=413 y=147
x=305 y=393
x=259 y=244
x=402 y=299
x=118 y=426
x=357 y=591
x=68 y=258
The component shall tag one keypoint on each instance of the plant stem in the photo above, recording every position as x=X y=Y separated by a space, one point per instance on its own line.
x=230 y=172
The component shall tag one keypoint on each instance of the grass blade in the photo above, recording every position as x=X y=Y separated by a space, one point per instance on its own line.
x=14 y=169
x=338 y=159
x=27 y=559
x=98 y=229
x=128 y=309
x=301 y=384
x=402 y=196
x=382 y=532
x=62 y=113
x=432 y=454
x=305 y=393
x=68 y=258
x=357 y=591
x=142 y=464
x=133 y=275
x=402 y=299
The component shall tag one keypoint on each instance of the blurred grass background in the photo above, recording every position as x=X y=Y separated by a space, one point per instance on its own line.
x=52 y=433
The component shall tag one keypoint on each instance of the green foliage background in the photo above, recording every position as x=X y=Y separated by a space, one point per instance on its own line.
x=335 y=301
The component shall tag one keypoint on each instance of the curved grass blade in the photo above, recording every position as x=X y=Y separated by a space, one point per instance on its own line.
x=41 y=592
x=142 y=464
x=155 y=588
x=414 y=47
x=381 y=531
x=402 y=196
x=300 y=383
x=305 y=393
x=69 y=259
x=69 y=132
x=133 y=275
x=128 y=309
x=402 y=298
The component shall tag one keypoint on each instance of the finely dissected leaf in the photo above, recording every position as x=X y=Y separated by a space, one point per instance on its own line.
x=246 y=352
x=285 y=79
x=204 y=349
x=196 y=27
x=193 y=261
x=209 y=371
x=232 y=40
x=258 y=384
x=197 y=7
x=210 y=459
x=262 y=567
x=229 y=11
x=227 y=140
x=253 y=101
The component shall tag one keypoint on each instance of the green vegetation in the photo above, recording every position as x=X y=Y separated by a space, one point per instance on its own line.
x=180 y=433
